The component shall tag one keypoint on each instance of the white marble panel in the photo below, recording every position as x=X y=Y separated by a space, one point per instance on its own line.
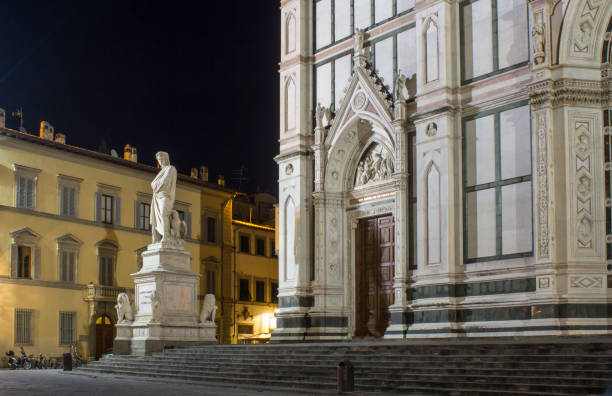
x=478 y=41
x=433 y=216
x=342 y=70
x=342 y=21
x=290 y=110
x=383 y=9
x=480 y=150
x=323 y=21
x=363 y=14
x=431 y=49
x=515 y=142
x=384 y=60
x=512 y=32
x=406 y=50
x=289 y=247
x=516 y=218
x=404 y=5
x=481 y=223
x=324 y=84
x=290 y=34
x=179 y=298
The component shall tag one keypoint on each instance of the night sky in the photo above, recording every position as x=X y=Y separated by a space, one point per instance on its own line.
x=196 y=79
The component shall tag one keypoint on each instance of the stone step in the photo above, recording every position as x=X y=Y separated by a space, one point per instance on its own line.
x=458 y=369
x=432 y=385
x=394 y=370
x=424 y=375
x=396 y=358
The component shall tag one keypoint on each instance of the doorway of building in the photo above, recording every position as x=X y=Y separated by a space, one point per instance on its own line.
x=104 y=335
x=375 y=270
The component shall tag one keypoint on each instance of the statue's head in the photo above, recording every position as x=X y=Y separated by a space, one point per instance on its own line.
x=162 y=158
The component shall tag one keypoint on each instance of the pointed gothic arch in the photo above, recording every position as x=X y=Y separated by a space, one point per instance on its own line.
x=290 y=33
x=431 y=49
x=290 y=104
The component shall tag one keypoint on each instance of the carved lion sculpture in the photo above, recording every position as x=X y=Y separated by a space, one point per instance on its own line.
x=209 y=309
x=124 y=309
x=178 y=228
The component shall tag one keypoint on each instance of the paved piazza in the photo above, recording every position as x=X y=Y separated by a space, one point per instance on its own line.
x=56 y=382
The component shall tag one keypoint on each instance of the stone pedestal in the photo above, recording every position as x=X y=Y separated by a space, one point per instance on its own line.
x=166 y=305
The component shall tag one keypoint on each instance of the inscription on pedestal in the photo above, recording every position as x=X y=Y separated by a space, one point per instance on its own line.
x=144 y=298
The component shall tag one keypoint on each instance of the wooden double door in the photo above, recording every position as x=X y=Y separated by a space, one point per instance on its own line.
x=375 y=270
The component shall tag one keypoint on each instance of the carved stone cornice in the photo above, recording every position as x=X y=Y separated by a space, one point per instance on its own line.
x=567 y=91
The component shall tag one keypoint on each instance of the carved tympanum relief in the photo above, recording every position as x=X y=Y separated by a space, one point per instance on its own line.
x=375 y=165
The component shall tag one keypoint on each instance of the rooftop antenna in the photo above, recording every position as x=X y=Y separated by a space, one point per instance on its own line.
x=19 y=113
x=238 y=176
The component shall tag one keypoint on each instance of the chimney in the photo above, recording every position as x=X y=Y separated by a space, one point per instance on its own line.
x=134 y=155
x=127 y=152
x=194 y=173
x=60 y=138
x=46 y=130
x=221 y=181
x=2 y=118
x=204 y=173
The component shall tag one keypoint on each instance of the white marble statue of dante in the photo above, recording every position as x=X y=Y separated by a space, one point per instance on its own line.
x=162 y=204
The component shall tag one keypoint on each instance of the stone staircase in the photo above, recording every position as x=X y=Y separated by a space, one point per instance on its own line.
x=474 y=367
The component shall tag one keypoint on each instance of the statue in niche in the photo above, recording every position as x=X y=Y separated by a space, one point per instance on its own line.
x=162 y=203
x=209 y=309
x=432 y=129
x=538 y=35
x=376 y=165
x=124 y=309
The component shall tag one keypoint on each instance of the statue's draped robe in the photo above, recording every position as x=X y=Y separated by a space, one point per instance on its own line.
x=164 y=188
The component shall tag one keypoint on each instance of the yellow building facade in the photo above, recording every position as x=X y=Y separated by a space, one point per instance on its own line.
x=73 y=223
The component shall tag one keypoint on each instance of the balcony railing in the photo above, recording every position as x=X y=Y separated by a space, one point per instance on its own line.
x=108 y=293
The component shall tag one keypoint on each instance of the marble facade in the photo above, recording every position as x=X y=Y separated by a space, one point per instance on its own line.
x=491 y=163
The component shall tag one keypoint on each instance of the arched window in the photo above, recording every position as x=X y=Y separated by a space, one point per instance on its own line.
x=290 y=34
x=290 y=105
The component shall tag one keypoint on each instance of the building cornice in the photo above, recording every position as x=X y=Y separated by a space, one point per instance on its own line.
x=568 y=91
x=26 y=137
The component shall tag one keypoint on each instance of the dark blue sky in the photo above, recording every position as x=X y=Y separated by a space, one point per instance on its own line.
x=197 y=79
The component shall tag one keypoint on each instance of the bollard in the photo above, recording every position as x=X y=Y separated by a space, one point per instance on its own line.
x=346 y=376
x=67 y=357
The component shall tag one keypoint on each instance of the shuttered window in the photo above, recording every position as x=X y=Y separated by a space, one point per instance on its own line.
x=67 y=326
x=212 y=229
x=245 y=292
x=260 y=291
x=68 y=201
x=106 y=270
x=23 y=326
x=67 y=266
x=25 y=192
x=106 y=209
x=24 y=262
x=145 y=216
